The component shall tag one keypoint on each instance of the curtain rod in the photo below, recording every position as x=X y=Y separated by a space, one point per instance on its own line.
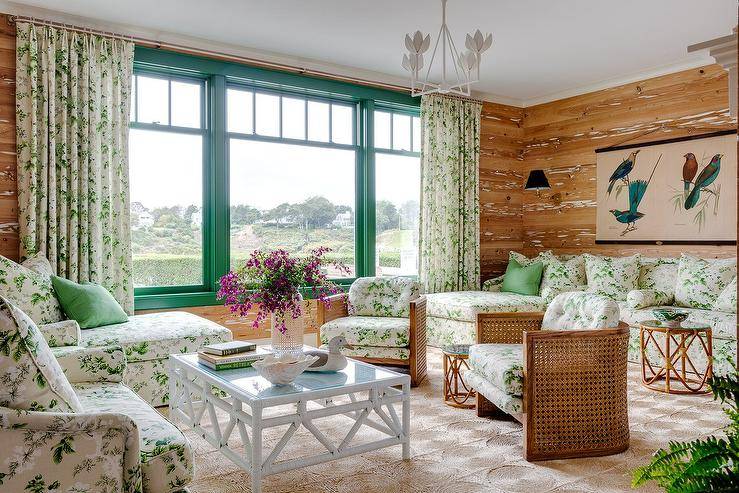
x=150 y=43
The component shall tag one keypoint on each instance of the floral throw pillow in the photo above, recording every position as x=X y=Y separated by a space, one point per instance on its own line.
x=726 y=301
x=30 y=377
x=523 y=260
x=700 y=282
x=659 y=274
x=561 y=276
x=613 y=277
x=28 y=286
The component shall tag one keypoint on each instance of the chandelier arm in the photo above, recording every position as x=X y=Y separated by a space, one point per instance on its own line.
x=433 y=54
x=455 y=56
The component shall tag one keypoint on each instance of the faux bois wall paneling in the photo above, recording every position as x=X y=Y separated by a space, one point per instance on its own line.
x=8 y=189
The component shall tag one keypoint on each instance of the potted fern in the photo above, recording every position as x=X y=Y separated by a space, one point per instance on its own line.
x=705 y=464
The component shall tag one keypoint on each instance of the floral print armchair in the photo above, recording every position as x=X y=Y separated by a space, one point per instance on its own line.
x=383 y=319
x=561 y=373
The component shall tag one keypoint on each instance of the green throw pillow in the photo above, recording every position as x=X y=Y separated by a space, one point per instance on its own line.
x=91 y=305
x=522 y=279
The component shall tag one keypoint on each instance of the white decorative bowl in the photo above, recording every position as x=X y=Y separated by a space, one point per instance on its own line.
x=283 y=369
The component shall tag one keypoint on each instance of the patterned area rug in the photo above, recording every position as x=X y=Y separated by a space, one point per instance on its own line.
x=454 y=451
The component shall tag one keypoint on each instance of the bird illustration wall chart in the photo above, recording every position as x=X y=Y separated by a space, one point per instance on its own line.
x=637 y=189
x=707 y=176
x=622 y=171
x=690 y=169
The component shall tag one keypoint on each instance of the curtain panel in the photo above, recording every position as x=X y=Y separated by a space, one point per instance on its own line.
x=72 y=114
x=450 y=213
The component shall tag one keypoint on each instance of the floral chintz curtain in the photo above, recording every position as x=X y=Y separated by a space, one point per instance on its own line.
x=72 y=106
x=450 y=212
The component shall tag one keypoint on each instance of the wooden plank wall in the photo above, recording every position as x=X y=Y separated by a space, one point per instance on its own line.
x=8 y=190
x=561 y=137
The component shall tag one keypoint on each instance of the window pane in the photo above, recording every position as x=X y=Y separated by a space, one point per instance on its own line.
x=416 y=134
x=185 y=104
x=240 y=110
x=166 y=221
x=342 y=128
x=382 y=130
x=280 y=198
x=318 y=121
x=293 y=118
x=401 y=132
x=397 y=188
x=268 y=115
x=153 y=97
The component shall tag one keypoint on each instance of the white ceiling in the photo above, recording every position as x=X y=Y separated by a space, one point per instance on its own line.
x=542 y=49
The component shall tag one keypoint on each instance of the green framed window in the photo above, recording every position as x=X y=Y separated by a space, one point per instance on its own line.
x=226 y=158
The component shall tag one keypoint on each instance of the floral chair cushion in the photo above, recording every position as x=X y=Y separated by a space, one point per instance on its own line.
x=509 y=404
x=700 y=282
x=659 y=274
x=643 y=298
x=382 y=296
x=726 y=301
x=28 y=286
x=613 y=277
x=157 y=335
x=30 y=376
x=561 y=276
x=369 y=331
x=581 y=311
x=166 y=455
x=64 y=333
x=500 y=364
x=465 y=305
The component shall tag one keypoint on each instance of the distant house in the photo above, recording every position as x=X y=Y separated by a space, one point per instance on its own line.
x=343 y=220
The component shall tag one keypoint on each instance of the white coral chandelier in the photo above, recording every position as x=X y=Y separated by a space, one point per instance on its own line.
x=466 y=63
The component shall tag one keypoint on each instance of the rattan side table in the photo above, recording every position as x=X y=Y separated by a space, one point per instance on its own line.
x=456 y=391
x=676 y=365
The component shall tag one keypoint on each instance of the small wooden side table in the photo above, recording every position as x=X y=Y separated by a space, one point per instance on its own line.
x=456 y=391
x=676 y=366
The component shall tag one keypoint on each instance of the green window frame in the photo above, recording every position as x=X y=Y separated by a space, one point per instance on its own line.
x=217 y=76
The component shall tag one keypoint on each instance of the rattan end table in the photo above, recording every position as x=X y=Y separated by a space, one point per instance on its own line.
x=456 y=391
x=676 y=366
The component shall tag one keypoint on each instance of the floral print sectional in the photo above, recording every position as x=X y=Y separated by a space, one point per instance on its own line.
x=706 y=289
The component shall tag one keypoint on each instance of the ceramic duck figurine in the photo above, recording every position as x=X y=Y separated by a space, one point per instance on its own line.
x=332 y=360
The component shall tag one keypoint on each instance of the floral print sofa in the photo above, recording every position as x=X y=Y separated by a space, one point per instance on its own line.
x=147 y=339
x=68 y=423
x=704 y=288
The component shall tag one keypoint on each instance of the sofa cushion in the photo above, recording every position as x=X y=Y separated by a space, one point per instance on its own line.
x=380 y=352
x=723 y=324
x=700 y=282
x=612 y=276
x=659 y=274
x=465 y=305
x=500 y=364
x=157 y=335
x=644 y=298
x=382 y=296
x=28 y=286
x=726 y=301
x=369 y=331
x=63 y=333
x=166 y=455
x=561 y=276
x=578 y=311
x=97 y=364
x=30 y=376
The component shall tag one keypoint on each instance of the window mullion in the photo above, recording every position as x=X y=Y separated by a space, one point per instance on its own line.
x=219 y=186
x=366 y=192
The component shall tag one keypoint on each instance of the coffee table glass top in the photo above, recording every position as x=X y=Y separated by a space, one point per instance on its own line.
x=254 y=387
x=686 y=325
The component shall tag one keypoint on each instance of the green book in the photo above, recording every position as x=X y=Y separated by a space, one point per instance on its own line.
x=226 y=366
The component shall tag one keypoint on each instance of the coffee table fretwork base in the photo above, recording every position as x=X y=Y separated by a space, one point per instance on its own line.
x=676 y=372
x=191 y=398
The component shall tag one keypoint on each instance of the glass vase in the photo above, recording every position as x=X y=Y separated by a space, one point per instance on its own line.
x=291 y=340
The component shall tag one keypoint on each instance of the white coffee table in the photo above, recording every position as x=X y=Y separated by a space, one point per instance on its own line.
x=372 y=398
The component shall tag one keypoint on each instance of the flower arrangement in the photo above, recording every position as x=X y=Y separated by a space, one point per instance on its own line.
x=270 y=280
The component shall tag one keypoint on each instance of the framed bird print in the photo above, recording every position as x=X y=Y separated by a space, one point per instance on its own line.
x=672 y=191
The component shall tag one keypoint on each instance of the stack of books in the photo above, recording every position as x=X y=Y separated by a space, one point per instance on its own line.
x=231 y=355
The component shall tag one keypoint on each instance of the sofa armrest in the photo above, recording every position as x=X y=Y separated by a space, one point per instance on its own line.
x=334 y=307
x=61 y=334
x=644 y=298
x=506 y=328
x=493 y=285
x=94 y=364
x=69 y=451
x=575 y=392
